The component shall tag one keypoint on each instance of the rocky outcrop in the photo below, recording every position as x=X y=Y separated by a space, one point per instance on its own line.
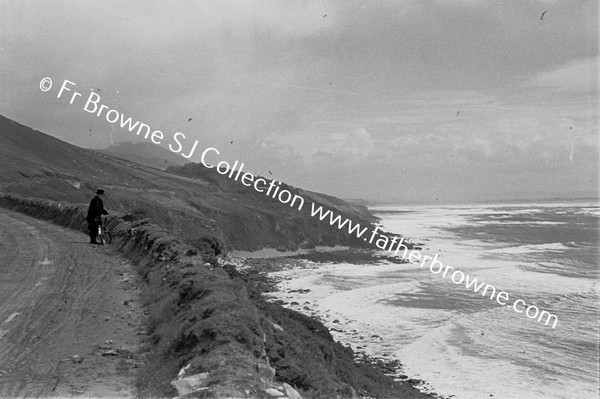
x=198 y=386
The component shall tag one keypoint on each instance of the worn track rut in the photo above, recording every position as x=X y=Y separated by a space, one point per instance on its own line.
x=61 y=297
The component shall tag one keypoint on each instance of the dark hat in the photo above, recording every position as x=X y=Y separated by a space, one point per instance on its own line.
x=100 y=191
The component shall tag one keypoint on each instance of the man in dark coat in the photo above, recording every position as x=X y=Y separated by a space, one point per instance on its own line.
x=95 y=212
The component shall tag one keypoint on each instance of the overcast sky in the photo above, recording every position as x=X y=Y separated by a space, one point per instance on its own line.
x=384 y=100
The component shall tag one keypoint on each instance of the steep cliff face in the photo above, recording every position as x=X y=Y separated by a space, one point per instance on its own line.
x=190 y=202
x=260 y=219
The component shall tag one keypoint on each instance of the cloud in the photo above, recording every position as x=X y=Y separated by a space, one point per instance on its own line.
x=336 y=99
x=357 y=144
x=579 y=75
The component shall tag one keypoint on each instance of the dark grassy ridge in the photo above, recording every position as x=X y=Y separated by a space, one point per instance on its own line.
x=215 y=319
x=145 y=153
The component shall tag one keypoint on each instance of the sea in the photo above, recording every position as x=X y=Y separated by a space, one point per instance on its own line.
x=464 y=345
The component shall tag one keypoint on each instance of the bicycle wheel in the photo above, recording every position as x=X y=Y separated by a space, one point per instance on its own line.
x=106 y=237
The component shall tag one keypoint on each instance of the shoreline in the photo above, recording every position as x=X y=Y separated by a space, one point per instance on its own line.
x=270 y=253
x=272 y=274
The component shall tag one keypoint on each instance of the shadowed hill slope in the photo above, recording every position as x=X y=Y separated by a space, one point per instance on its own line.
x=145 y=153
x=191 y=202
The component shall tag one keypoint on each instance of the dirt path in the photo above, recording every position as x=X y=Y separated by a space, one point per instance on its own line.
x=61 y=297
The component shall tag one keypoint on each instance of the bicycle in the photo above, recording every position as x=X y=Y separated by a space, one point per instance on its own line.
x=104 y=236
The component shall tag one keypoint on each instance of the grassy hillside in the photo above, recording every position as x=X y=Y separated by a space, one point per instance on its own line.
x=190 y=202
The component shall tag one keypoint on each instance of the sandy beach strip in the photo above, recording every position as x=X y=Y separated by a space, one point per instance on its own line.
x=343 y=304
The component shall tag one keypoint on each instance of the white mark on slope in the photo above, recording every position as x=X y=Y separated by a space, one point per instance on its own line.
x=11 y=317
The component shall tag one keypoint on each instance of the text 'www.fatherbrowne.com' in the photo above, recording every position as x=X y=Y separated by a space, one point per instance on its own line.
x=395 y=245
